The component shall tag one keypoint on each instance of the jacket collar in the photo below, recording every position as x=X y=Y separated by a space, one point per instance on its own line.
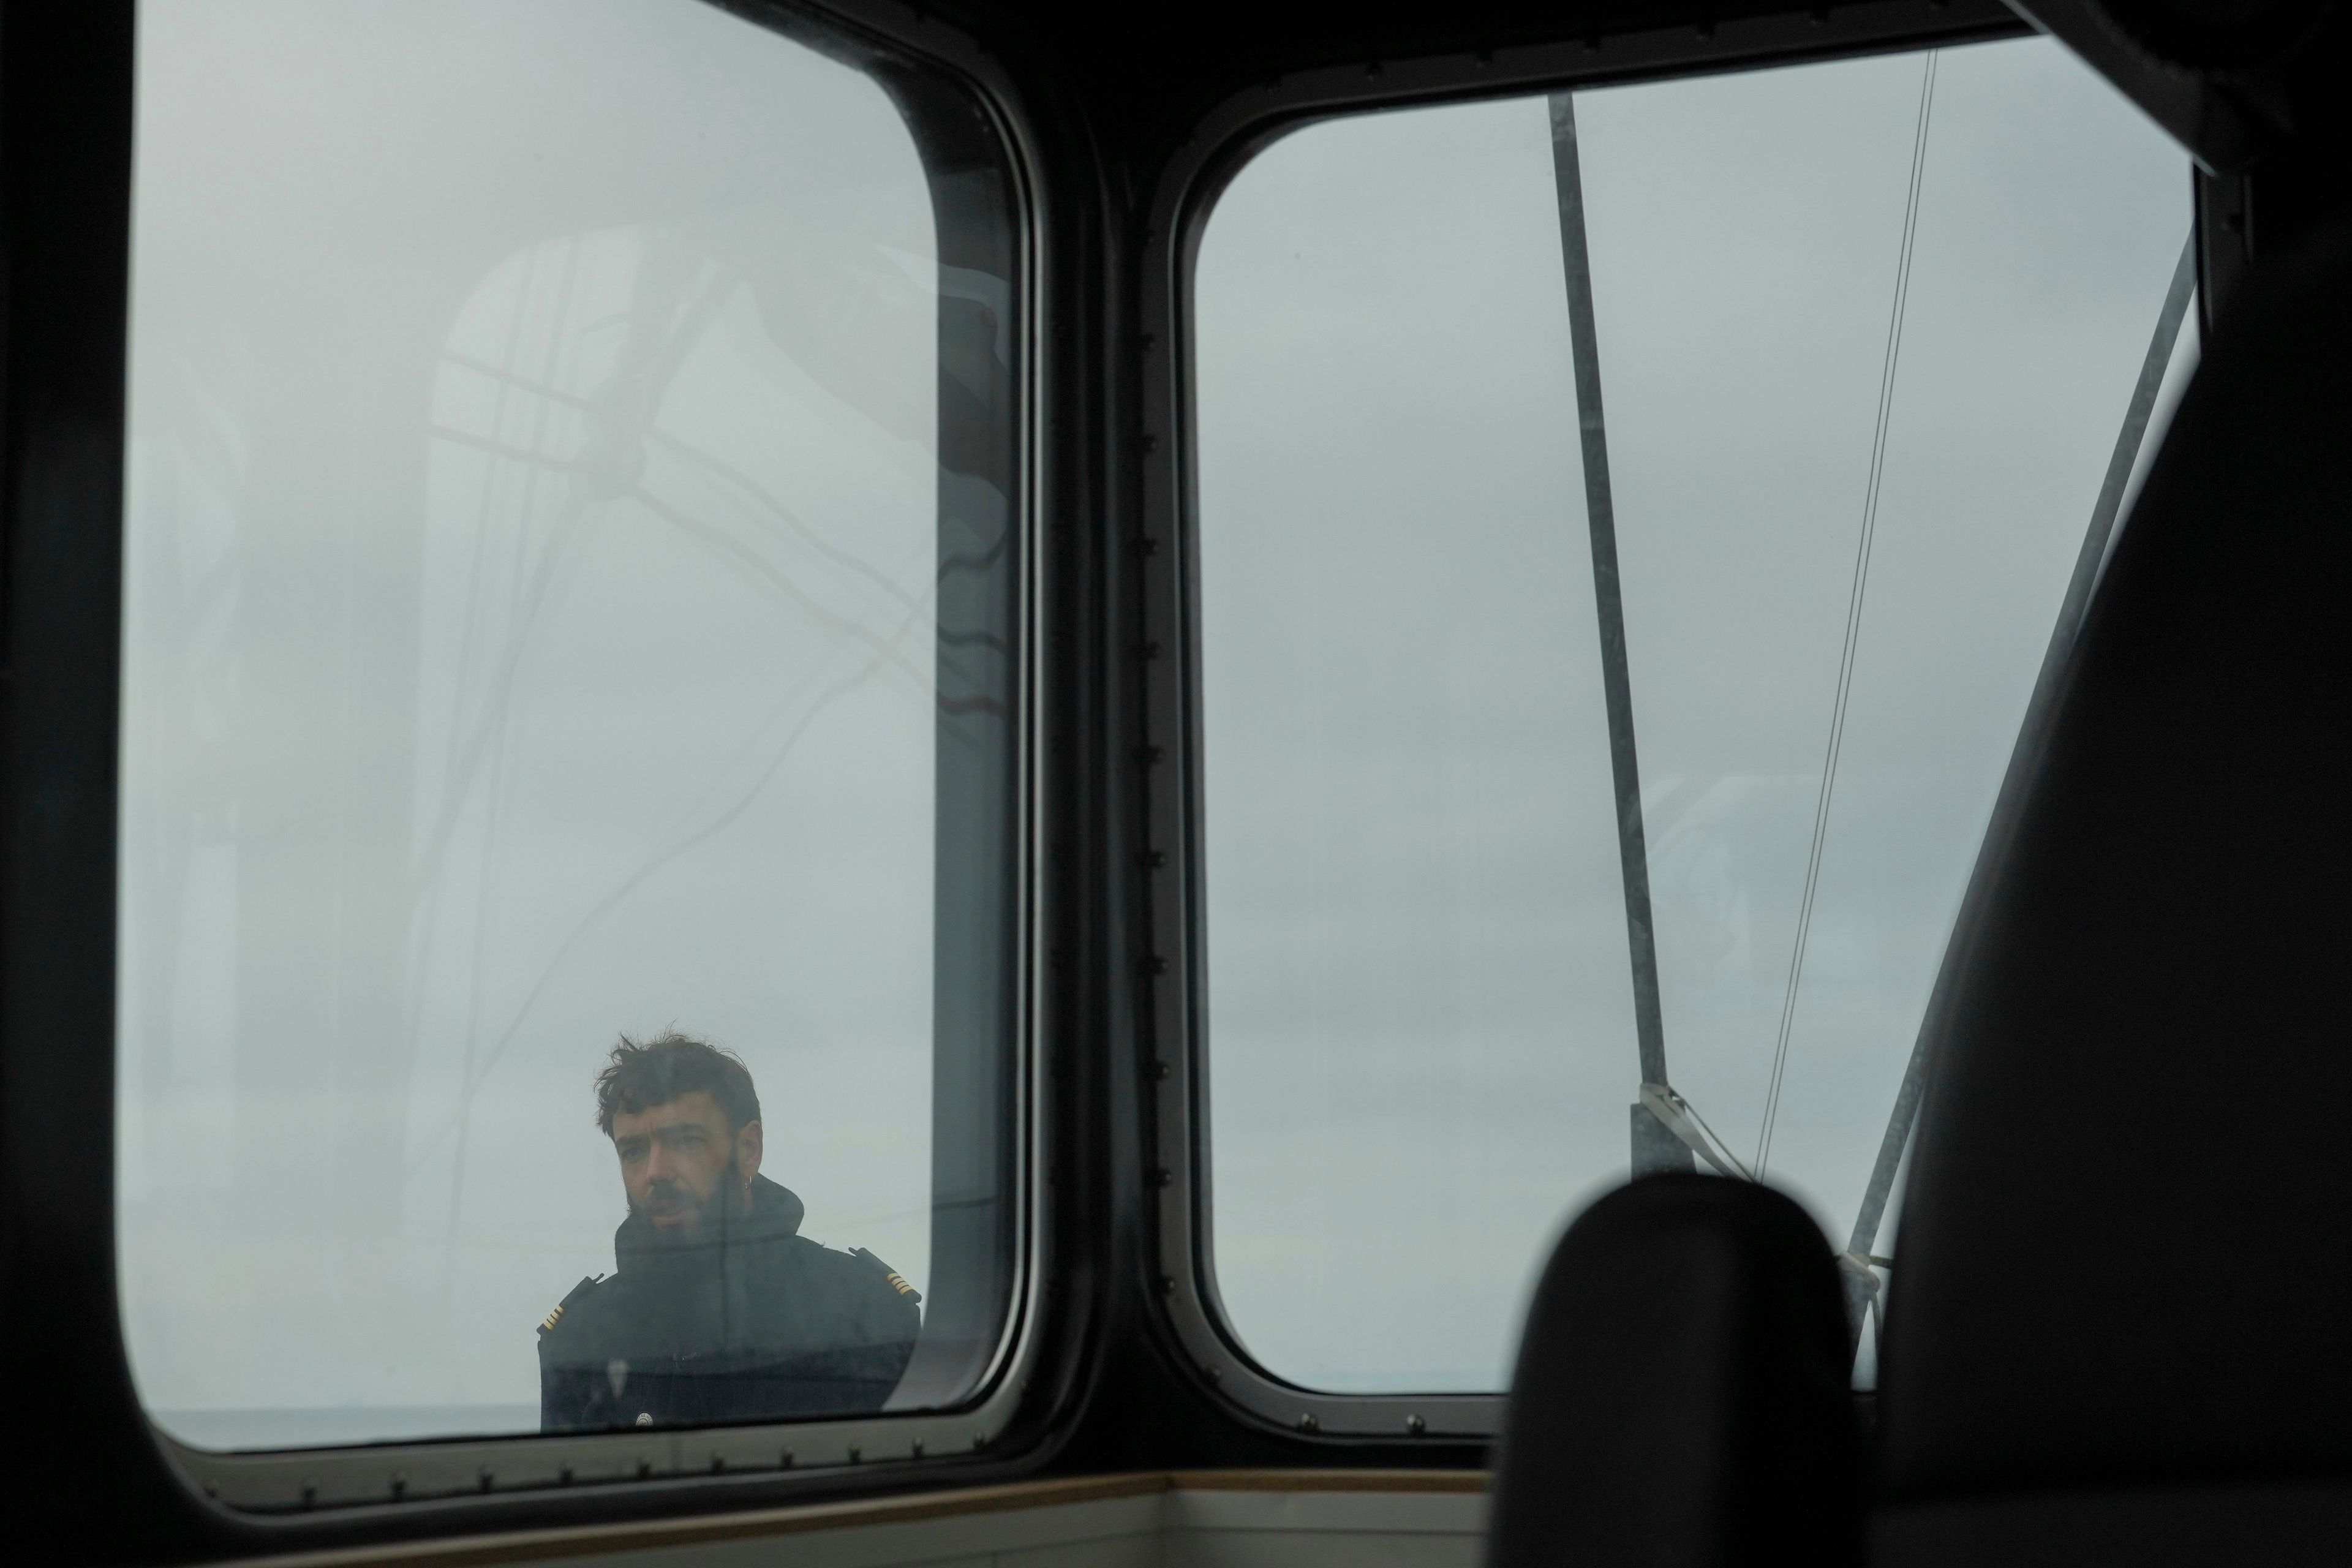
x=774 y=1215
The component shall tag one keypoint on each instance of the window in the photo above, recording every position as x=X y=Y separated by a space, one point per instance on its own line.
x=1862 y=338
x=573 y=591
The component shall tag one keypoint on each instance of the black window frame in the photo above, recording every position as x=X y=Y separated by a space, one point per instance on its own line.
x=67 y=77
x=1169 y=781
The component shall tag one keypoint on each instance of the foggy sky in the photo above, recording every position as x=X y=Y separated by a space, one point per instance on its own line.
x=1420 y=1016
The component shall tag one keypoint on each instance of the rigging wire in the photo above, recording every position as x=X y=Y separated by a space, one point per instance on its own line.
x=1854 y=594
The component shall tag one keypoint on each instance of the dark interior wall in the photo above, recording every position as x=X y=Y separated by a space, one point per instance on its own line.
x=65 y=136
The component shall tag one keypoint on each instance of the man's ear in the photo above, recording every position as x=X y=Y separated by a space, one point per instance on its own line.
x=748 y=1145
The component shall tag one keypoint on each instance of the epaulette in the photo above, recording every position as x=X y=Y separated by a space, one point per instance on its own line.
x=898 y=1280
x=576 y=1292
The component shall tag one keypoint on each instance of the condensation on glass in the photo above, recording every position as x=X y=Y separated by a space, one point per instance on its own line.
x=1419 y=1008
x=572 y=589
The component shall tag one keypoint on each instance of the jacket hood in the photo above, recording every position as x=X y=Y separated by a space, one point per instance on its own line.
x=703 y=1294
x=776 y=1210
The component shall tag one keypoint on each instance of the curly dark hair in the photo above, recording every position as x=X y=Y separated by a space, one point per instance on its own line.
x=638 y=1077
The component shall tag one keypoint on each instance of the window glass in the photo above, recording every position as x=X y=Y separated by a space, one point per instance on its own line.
x=1864 y=336
x=570 y=598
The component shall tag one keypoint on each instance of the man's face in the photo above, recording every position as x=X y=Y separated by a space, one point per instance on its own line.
x=679 y=1162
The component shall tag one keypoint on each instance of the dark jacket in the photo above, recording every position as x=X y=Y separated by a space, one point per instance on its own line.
x=756 y=1324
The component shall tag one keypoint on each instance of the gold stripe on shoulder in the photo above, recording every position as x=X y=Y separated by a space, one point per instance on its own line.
x=552 y=1317
x=898 y=1280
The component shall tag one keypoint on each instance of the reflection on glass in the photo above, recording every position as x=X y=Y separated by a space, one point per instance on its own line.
x=1420 y=1007
x=542 y=627
x=720 y=1309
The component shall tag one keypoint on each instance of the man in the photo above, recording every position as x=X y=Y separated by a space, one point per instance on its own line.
x=719 y=1309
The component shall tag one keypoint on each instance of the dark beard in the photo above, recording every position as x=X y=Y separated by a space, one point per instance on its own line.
x=702 y=1237
x=676 y=1276
x=705 y=1229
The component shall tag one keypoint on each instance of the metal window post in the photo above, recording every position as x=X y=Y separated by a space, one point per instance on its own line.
x=1655 y=1148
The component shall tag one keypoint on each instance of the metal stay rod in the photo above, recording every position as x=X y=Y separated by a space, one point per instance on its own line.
x=1609 y=606
x=2023 y=757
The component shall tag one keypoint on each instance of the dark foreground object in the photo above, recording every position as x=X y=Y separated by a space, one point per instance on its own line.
x=2119 y=1312
x=1681 y=1393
